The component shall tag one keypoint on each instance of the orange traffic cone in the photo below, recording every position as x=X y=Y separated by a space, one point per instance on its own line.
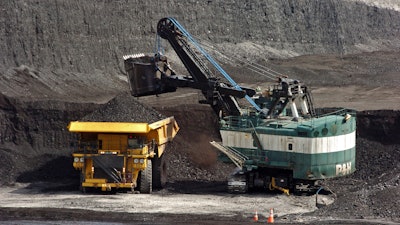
x=271 y=216
x=255 y=217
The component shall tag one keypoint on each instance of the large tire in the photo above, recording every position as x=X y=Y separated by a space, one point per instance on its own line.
x=159 y=172
x=145 y=183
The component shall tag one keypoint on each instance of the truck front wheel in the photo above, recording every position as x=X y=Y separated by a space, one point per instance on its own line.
x=145 y=179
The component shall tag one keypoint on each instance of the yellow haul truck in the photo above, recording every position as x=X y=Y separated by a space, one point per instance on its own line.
x=118 y=156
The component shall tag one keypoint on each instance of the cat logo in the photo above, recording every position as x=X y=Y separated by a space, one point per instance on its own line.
x=343 y=169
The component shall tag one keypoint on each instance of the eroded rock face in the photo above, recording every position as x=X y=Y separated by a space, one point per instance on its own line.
x=73 y=50
x=84 y=36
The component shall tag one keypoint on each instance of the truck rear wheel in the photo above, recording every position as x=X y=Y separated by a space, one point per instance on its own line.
x=145 y=182
x=159 y=172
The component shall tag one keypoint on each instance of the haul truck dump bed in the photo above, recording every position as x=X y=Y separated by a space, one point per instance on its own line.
x=117 y=156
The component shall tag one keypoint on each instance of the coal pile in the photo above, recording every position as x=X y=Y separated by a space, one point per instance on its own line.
x=124 y=108
x=190 y=155
x=373 y=191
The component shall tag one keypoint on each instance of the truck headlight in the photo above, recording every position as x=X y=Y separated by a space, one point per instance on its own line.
x=141 y=160
x=76 y=159
x=82 y=160
x=136 y=161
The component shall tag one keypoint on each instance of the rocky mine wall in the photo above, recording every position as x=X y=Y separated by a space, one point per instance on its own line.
x=34 y=134
x=91 y=36
x=380 y=125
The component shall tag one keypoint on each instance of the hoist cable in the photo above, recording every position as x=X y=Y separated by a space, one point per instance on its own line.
x=212 y=61
x=258 y=68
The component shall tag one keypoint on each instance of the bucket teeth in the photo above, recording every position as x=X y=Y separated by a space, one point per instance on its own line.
x=133 y=56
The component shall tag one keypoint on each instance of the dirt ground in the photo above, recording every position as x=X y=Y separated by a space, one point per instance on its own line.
x=206 y=201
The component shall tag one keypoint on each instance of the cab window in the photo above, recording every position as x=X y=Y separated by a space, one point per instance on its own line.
x=135 y=142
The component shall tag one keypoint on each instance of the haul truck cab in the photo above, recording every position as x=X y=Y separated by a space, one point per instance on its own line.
x=118 y=156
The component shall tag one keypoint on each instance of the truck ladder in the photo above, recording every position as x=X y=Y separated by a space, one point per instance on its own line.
x=238 y=158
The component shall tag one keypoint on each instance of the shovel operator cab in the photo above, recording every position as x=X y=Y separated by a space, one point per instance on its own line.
x=117 y=156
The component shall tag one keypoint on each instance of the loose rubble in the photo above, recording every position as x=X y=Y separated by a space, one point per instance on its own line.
x=124 y=108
